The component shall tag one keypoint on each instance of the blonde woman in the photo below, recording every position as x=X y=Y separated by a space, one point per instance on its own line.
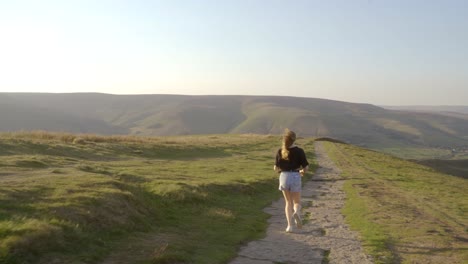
x=291 y=163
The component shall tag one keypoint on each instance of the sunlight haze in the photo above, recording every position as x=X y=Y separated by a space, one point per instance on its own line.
x=367 y=51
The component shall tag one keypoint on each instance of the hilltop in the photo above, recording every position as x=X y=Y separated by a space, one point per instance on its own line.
x=68 y=198
x=159 y=115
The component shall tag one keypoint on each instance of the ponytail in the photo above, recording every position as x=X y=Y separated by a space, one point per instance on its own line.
x=288 y=139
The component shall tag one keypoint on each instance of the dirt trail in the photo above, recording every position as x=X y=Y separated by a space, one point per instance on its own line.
x=324 y=238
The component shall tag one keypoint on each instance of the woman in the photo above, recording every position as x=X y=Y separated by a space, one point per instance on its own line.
x=291 y=163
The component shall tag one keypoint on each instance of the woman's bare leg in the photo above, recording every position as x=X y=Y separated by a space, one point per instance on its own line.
x=288 y=208
x=296 y=199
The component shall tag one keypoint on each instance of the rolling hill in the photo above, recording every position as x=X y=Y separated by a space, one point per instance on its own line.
x=361 y=124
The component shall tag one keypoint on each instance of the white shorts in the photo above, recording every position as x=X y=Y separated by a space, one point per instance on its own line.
x=290 y=181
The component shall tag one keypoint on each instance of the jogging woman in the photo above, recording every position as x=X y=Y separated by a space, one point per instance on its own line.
x=292 y=164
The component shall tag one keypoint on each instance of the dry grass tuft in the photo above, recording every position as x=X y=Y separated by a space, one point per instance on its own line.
x=75 y=138
x=79 y=141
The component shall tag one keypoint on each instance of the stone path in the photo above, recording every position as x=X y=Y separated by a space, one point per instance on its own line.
x=324 y=238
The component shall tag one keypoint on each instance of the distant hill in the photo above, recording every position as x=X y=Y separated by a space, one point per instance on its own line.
x=361 y=124
x=462 y=109
x=453 y=167
x=27 y=112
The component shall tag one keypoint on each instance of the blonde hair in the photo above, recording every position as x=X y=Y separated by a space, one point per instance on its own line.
x=288 y=139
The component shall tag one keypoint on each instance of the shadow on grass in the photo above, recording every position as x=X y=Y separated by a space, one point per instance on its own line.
x=429 y=250
x=385 y=250
x=399 y=250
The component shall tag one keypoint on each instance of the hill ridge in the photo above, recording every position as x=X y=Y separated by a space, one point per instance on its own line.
x=160 y=115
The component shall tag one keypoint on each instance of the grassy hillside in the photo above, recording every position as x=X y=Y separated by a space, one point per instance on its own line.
x=88 y=199
x=68 y=198
x=359 y=124
x=405 y=212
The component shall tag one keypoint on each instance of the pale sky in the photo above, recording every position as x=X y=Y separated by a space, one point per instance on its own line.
x=391 y=52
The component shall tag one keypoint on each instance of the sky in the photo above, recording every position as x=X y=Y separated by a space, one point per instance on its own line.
x=384 y=52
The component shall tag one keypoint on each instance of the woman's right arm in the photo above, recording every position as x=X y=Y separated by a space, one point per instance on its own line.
x=277 y=169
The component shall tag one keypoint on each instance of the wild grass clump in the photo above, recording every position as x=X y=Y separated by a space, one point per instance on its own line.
x=28 y=237
x=79 y=141
x=31 y=164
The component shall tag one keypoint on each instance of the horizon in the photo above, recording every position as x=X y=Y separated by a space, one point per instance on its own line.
x=416 y=105
x=383 y=53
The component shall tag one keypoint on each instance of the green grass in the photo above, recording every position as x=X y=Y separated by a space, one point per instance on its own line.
x=405 y=212
x=192 y=199
x=419 y=153
x=326 y=257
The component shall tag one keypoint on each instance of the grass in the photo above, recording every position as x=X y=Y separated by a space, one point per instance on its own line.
x=326 y=257
x=417 y=152
x=405 y=212
x=191 y=199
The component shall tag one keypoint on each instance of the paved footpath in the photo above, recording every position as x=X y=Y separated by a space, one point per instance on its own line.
x=324 y=237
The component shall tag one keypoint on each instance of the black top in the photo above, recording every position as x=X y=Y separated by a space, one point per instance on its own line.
x=297 y=160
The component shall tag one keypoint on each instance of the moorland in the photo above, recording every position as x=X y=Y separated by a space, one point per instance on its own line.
x=68 y=198
x=78 y=198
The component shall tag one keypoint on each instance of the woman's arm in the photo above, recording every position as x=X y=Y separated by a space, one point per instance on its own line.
x=276 y=168
x=304 y=170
